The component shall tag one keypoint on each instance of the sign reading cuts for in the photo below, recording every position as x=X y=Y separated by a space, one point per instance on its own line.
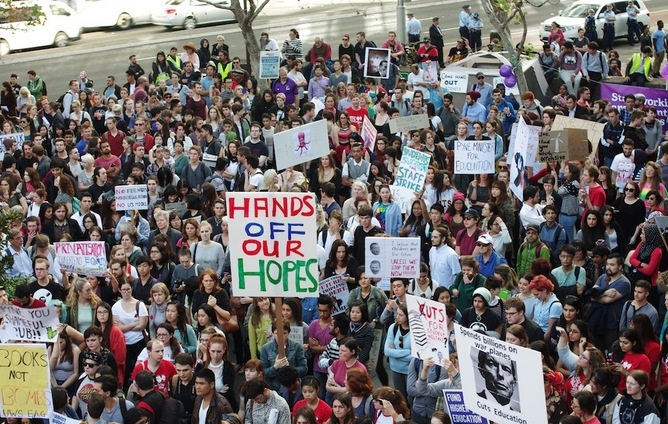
x=273 y=251
x=474 y=157
x=82 y=257
x=131 y=197
x=494 y=385
x=30 y=325
x=25 y=376
x=429 y=328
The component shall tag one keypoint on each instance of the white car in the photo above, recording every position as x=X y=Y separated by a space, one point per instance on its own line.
x=18 y=31
x=121 y=14
x=189 y=14
x=574 y=16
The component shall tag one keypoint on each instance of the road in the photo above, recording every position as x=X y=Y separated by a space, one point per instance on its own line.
x=105 y=52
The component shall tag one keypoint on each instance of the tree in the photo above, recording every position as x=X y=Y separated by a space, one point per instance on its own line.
x=503 y=13
x=245 y=15
x=7 y=261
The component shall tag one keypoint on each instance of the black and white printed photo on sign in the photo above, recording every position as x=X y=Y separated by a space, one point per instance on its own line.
x=377 y=63
x=496 y=379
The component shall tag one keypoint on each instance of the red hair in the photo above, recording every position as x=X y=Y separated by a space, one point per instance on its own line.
x=540 y=283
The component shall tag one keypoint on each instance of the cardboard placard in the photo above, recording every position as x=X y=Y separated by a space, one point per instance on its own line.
x=409 y=123
x=392 y=257
x=29 y=325
x=429 y=328
x=302 y=144
x=25 y=376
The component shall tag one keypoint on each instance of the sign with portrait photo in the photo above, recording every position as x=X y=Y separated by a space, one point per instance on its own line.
x=392 y=257
x=377 y=63
x=494 y=385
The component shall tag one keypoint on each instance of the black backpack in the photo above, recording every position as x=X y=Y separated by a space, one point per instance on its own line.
x=173 y=412
x=62 y=98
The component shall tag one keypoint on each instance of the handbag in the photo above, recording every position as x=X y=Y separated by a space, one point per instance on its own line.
x=229 y=325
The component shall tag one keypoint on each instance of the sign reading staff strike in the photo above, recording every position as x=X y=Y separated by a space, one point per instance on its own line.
x=273 y=238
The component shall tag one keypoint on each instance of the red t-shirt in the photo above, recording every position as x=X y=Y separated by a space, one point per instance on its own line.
x=36 y=303
x=322 y=412
x=357 y=116
x=597 y=197
x=633 y=361
x=163 y=375
x=107 y=163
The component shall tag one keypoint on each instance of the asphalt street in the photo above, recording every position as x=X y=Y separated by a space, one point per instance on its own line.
x=105 y=52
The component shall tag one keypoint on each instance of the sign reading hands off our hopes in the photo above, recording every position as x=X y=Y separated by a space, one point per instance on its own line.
x=30 y=325
x=25 y=376
x=273 y=251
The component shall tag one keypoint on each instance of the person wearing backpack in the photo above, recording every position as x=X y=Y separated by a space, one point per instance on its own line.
x=209 y=405
x=552 y=233
x=115 y=409
x=531 y=249
x=66 y=99
x=150 y=400
x=572 y=279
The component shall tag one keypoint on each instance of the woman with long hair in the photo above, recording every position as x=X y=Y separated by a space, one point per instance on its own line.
x=190 y=234
x=570 y=203
x=177 y=316
x=454 y=215
x=579 y=367
x=507 y=274
x=163 y=267
x=614 y=236
x=360 y=387
x=131 y=316
x=341 y=263
x=397 y=349
x=209 y=289
x=27 y=128
x=223 y=369
x=416 y=220
x=571 y=321
x=112 y=338
x=547 y=309
x=259 y=325
x=609 y=187
x=495 y=226
x=391 y=406
x=650 y=342
x=361 y=331
x=64 y=363
x=628 y=355
x=31 y=181
x=66 y=192
x=630 y=210
x=646 y=258
x=348 y=359
x=387 y=212
x=517 y=335
x=327 y=171
x=206 y=252
x=342 y=132
x=165 y=334
x=444 y=188
x=499 y=195
x=358 y=189
x=8 y=102
x=343 y=411
x=592 y=232
x=81 y=304
x=651 y=180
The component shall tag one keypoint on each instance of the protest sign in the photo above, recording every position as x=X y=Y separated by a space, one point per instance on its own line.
x=594 y=129
x=409 y=123
x=301 y=144
x=335 y=287
x=62 y=419
x=18 y=137
x=82 y=257
x=413 y=170
x=377 y=63
x=273 y=250
x=515 y=90
x=369 y=134
x=456 y=409
x=296 y=334
x=390 y=257
x=517 y=158
x=270 y=62
x=494 y=385
x=532 y=145
x=131 y=197
x=178 y=207
x=429 y=328
x=454 y=82
x=662 y=223
x=654 y=97
x=25 y=376
x=430 y=70
x=30 y=325
x=566 y=144
x=474 y=157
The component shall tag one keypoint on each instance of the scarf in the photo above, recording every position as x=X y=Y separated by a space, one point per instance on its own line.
x=652 y=241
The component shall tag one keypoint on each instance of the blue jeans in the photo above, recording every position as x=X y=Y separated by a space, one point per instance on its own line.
x=568 y=222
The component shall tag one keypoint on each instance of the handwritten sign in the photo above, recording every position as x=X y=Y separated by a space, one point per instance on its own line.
x=31 y=325
x=131 y=197
x=392 y=257
x=179 y=207
x=455 y=82
x=429 y=328
x=409 y=123
x=62 y=419
x=568 y=144
x=18 y=137
x=273 y=251
x=594 y=129
x=302 y=144
x=413 y=170
x=270 y=63
x=82 y=257
x=369 y=134
x=335 y=287
x=455 y=407
x=509 y=395
x=474 y=157
x=25 y=376
x=296 y=334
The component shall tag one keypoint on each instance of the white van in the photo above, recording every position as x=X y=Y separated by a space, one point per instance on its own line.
x=18 y=30
x=573 y=17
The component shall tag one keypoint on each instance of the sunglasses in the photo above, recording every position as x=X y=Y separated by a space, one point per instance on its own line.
x=89 y=365
x=481 y=245
x=401 y=342
x=468 y=218
x=629 y=189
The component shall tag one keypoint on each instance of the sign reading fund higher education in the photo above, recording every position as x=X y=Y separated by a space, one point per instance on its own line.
x=494 y=385
x=273 y=251
x=25 y=376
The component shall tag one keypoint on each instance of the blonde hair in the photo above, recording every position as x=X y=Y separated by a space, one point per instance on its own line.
x=160 y=287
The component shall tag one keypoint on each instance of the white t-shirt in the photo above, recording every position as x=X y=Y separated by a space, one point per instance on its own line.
x=131 y=337
x=624 y=168
x=256 y=180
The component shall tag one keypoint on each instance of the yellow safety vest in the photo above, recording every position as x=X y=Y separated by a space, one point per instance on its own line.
x=637 y=61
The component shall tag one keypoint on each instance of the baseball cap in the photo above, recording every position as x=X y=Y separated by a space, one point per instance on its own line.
x=533 y=227
x=472 y=212
x=484 y=239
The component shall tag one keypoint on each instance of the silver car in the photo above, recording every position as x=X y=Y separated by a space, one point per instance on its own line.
x=191 y=13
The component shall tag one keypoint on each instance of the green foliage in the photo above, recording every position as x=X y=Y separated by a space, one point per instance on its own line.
x=11 y=12
x=7 y=261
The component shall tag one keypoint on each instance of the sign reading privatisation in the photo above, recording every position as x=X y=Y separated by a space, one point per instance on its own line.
x=131 y=197
x=273 y=244
x=25 y=376
x=30 y=325
x=82 y=257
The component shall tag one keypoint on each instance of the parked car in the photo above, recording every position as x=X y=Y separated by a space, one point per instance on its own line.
x=121 y=14
x=19 y=30
x=189 y=14
x=574 y=16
